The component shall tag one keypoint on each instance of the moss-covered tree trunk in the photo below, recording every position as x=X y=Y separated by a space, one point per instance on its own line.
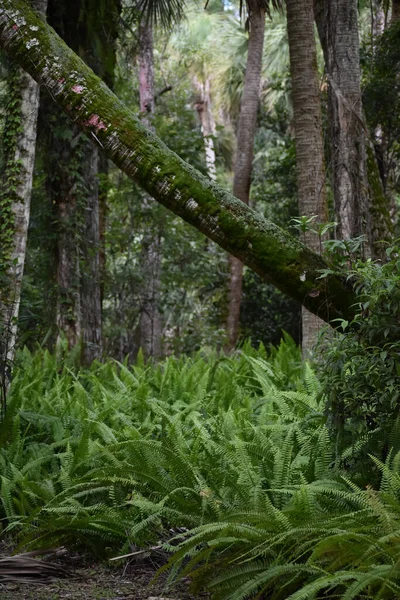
x=246 y=131
x=307 y=120
x=278 y=257
x=19 y=142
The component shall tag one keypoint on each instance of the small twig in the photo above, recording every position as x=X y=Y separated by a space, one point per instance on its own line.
x=136 y=553
x=164 y=90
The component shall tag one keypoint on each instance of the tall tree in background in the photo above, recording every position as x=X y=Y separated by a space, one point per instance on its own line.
x=360 y=205
x=245 y=134
x=15 y=196
x=310 y=162
x=150 y=326
x=72 y=179
x=395 y=11
x=150 y=323
x=203 y=106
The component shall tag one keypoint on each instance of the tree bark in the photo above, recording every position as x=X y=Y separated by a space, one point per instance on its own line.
x=90 y=292
x=360 y=205
x=246 y=132
x=72 y=180
x=16 y=187
x=150 y=326
x=204 y=110
x=307 y=117
x=395 y=11
x=276 y=255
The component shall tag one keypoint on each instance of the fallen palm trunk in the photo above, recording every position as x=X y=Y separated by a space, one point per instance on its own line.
x=22 y=568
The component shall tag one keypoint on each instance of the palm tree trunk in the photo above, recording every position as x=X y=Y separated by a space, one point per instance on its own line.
x=246 y=131
x=273 y=253
x=20 y=147
x=310 y=162
x=150 y=327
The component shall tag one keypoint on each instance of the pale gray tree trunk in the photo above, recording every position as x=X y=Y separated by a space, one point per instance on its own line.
x=203 y=106
x=378 y=19
x=17 y=188
x=310 y=162
x=246 y=132
x=150 y=327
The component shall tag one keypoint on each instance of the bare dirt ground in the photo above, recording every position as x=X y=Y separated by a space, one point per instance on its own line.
x=94 y=581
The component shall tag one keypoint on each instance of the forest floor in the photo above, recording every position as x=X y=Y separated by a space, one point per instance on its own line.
x=94 y=581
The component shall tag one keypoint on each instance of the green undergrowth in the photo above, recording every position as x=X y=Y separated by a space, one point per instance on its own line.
x=226 y=462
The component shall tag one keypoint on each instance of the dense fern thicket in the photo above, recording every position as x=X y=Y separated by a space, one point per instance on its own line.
x=224 y=462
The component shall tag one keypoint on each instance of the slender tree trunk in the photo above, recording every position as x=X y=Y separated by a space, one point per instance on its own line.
x=378 y=20
x=90 y=291
x=246 y=131
x=150 y=327
x=204 y=110
x=15 y=196
x=310 y=162
x=277 y=256
x=65 y=198
x=361 y=208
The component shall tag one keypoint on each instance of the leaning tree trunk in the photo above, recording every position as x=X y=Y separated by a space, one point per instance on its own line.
x=307 y=117
x=246 y=132
x=150 y=327
x=15 y=196
x=360 y=205
x=271 y=252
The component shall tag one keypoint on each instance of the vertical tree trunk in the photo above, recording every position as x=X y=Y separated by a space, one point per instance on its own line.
x=64 y=195
x=16 y=187
x=337 y=22
x=310 y=162
x=246 y=131
x=378 y=20
x=395 y=11
x=91 y=334
x=204 y=110
x=361 y=208
x=73 y=180
x=150 y=327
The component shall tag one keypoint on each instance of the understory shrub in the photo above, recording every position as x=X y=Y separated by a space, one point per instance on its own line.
x=360 y=373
